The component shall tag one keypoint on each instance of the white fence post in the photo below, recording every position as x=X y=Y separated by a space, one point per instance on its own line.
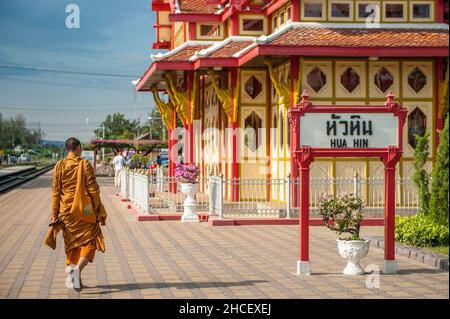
x=159 y=179
x=124 y=184
x=131 y=186
x=355 y=184
x=288 y=205
x=210 y=182
x=220 y=191
x=146 y=195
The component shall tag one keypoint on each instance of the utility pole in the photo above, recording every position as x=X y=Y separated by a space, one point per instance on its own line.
x=139 y=127
x=150 y=119
x=134 y=112
x=38 y=138
x=1 y=125
x=163 y=132
x=103 y=148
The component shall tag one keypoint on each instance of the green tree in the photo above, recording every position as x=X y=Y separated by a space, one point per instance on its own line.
x=117 y=127
x=439 y=183
x=421 y=178
x=154 y=124
x=13 y=132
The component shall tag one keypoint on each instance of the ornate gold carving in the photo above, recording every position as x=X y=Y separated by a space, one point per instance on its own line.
x=236 y=95
x=224 y=96
x=178 y=98
x=194 y=107
x=284 y=89
x=164 y=108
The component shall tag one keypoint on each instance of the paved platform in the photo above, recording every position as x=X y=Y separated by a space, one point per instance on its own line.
x=170 y=259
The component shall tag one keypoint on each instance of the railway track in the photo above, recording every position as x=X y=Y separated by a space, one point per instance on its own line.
x=10 y=181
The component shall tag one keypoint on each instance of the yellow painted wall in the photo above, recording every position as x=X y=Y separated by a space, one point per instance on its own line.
x=354 y=5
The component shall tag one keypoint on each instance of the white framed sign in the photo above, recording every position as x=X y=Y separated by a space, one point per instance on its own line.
x=88 y=155
x=348 y=130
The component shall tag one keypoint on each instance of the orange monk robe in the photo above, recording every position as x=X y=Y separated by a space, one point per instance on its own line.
x=78 y=234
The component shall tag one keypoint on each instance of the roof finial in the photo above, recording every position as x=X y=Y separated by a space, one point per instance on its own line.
x=305 y=96
x=390 y=97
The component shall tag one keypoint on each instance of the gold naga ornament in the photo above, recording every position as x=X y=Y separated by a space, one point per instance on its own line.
x=224 y=96
x=178 y=98
x=164 y=108
x=283 y=89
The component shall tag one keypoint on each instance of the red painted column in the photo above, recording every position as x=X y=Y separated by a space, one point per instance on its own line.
x=234 y=142
x=304 y=213
x=304 y=161
x=173 y=157
x=192 y=31
x=186 y=151
x=268 y=134
x=295 y=11
x=220 y=128
x=191 y=143
x=234 y=165
x=302 y=157
x=234 y=28
x=440 y=11
x=95 y=159
x=169 y=155
x=294 y=137
x=389 y=212
x=173 y=151
x=390 y=161
x=190 y=125
x=202 y=129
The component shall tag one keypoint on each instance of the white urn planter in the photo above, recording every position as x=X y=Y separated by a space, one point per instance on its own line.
x=190 y=203
x=353 y=251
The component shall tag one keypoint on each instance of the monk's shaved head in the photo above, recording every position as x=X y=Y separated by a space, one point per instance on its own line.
x=72 y=143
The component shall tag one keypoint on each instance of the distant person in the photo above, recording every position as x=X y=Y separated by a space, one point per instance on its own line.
x=118 y=163
x=158 y=160
x=82 y=236
x=153 y=166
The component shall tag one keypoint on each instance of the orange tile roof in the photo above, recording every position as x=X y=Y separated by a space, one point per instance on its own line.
x=184 y=54
x=197 y=6
x=353 y=37
x=229 y=49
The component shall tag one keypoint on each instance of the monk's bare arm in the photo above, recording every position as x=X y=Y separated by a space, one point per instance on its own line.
x=56 y=191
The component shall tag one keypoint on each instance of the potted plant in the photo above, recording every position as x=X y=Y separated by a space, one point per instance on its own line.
x=187 y=176
x=343 y=214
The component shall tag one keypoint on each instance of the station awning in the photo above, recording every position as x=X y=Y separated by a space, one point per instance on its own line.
x=304 y=39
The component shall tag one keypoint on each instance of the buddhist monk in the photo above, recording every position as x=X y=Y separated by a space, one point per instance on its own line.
x=81 y=238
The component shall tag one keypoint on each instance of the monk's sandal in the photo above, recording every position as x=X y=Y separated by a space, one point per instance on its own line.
x=69 y=278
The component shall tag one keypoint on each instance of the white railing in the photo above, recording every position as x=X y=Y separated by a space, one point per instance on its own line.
x=124 y=188
x=158 y=193
x=215 y=187
x=280 y=197
x=140 y=192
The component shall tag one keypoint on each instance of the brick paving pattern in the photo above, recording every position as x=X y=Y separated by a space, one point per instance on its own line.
x=170 y=259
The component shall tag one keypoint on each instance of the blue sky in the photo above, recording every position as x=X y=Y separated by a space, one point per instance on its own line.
x=114 y=37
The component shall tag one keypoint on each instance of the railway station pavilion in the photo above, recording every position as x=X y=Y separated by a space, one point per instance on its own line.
x=230 y=65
